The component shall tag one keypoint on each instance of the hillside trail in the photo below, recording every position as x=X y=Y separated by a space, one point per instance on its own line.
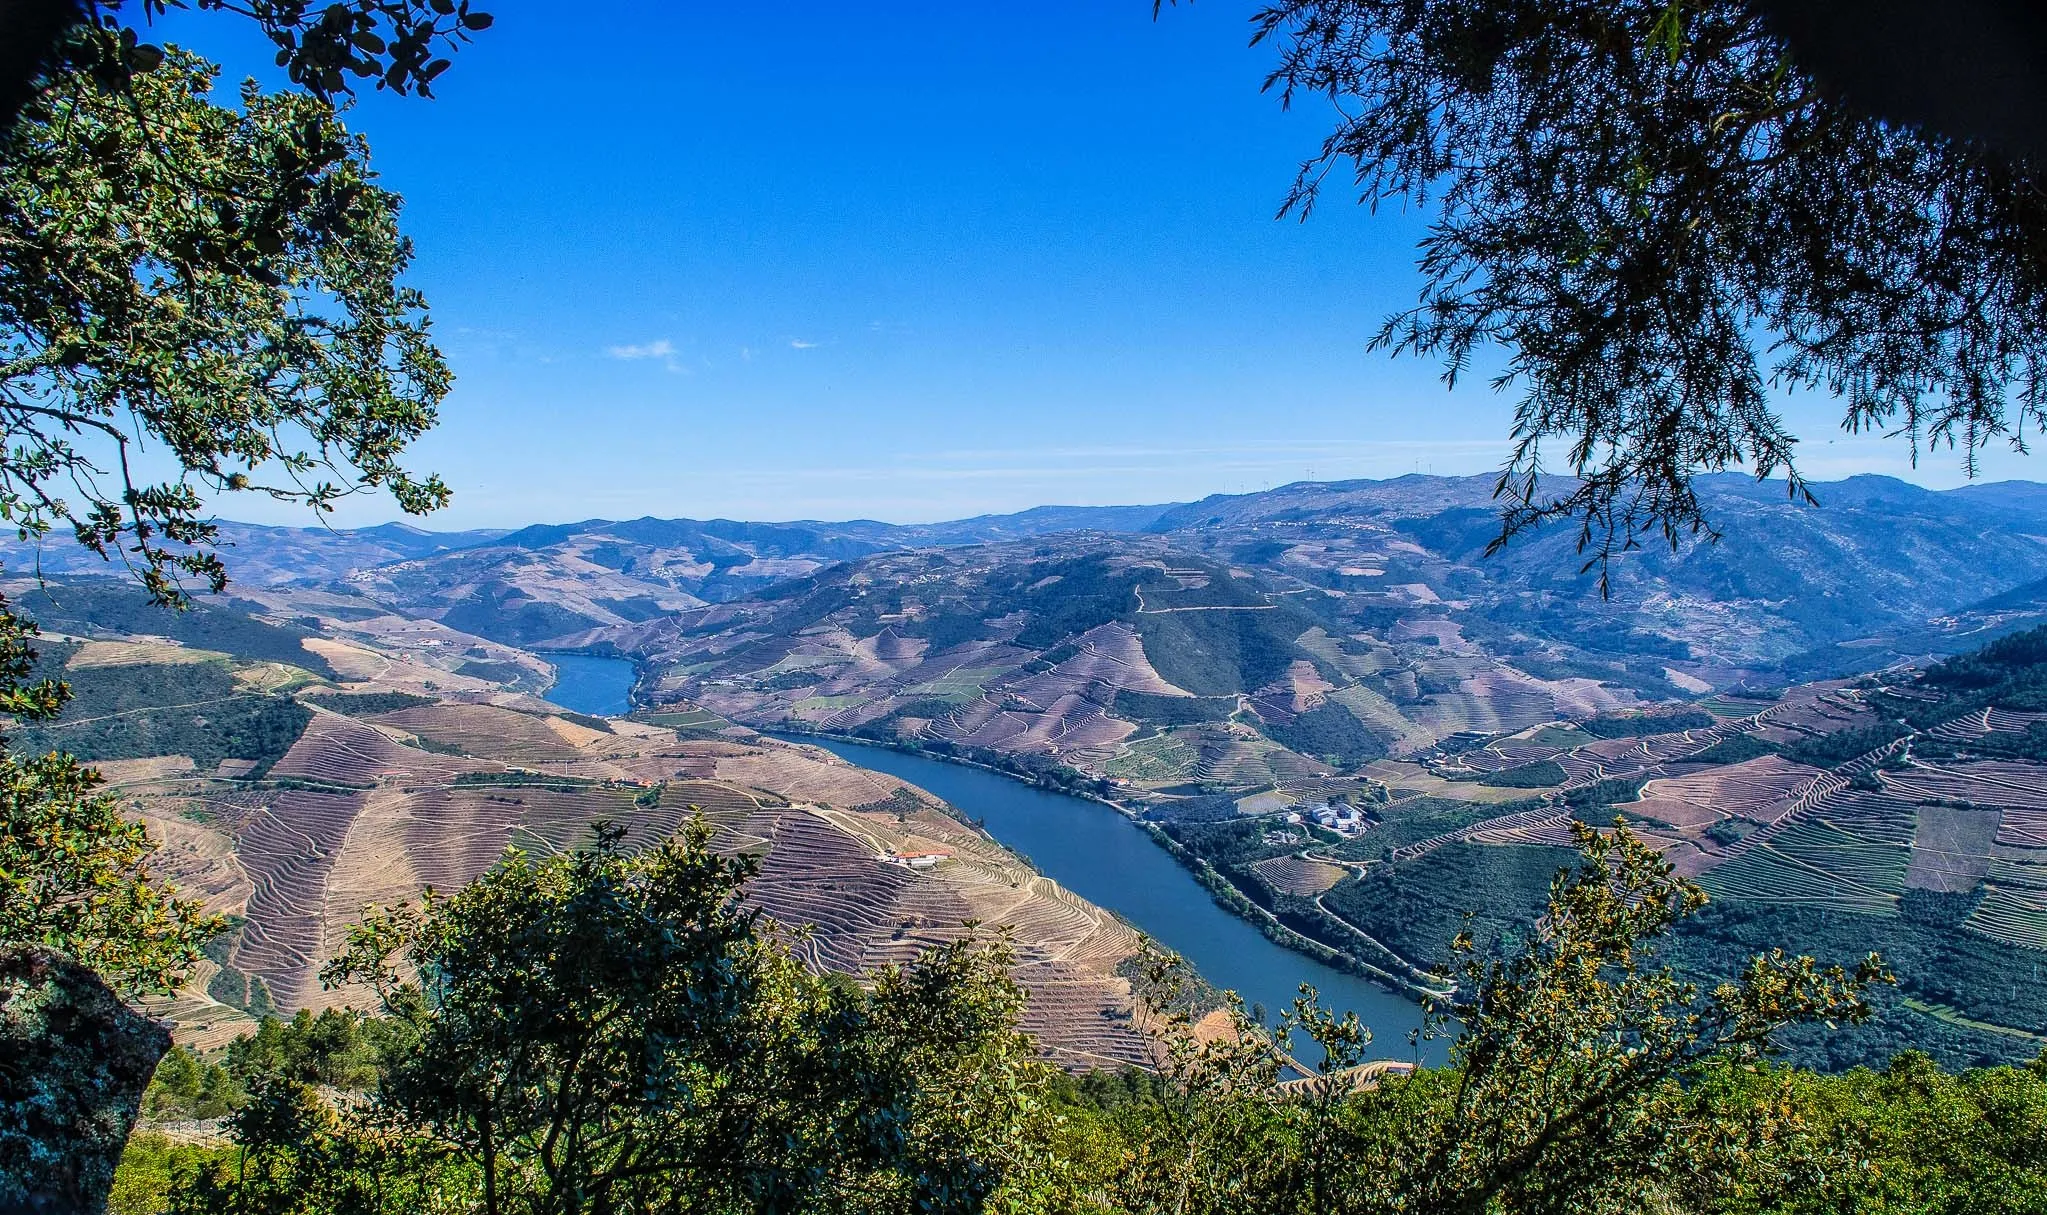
x=191 y=704
x=1202 y=607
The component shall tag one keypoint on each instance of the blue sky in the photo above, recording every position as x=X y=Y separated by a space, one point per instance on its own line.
x=908 y=261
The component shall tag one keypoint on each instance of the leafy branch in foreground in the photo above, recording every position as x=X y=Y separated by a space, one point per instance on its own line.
x=223 y=283
x=326 y=49
x=72 y=866
x=1640 y=202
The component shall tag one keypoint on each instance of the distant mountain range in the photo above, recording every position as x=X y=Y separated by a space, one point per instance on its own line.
x=1364 y=609
x=1883 y=568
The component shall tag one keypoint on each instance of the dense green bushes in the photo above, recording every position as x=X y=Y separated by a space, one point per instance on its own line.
x=600 y=1032
x=94 y=606
x=1329 y=731
x=1417 y=908
x=185 y=708
x=1832 y=750
x=1159 y=710
x=1542 y=774
x=1639 y=725
x=368 y=704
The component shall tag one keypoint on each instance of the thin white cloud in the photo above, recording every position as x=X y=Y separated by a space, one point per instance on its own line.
x=662 y=349
x=800 y=344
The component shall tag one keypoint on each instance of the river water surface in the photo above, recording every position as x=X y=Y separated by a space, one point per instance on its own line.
x=1105 y=858
x=585 y=683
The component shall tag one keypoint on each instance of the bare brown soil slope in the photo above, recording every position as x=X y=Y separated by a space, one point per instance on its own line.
x=372 y=807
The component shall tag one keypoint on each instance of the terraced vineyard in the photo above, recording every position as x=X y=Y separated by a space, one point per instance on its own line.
x=408 y=789
x=1879 y=815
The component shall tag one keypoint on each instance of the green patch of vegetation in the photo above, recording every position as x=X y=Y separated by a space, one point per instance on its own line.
x=927 y=708
x=366 y=704
x=901 y=801
x=1212 y=653
x=339 y=1048
x=1594 y=804
x=187 y=1088
x=786 y=681
x=1411 y=820
x=1729 y=831
x=1639 y=725
x=1149 y=707
x=1937 y=962
x=493 y=671
x=1542 y=774
x=153 y=1166
x=2009 y=673
x=525 y=780
x=248 y=993
x=1329 y=731
x=584 y=720
x=1161 y=757
x=1830 y=750
x=1998 y=744
x=687 y=719
x=92 y=607
x=194 y=709
x=1417 y=907
x=1086 y=593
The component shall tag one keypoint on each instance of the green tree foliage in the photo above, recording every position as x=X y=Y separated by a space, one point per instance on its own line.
x=151 y=1168
x=634 y=1039
x=1568 y=1088
x=605 y=1031
x=1638 y=725
x=1908 y=1137
x=224 y=283
x=187 y=1087
x=339 y=1048
x=1660 y=219
x=1829 y=750
x=1542 y=774
x=87 y=607
x=72 y=871
x=296 y=1155
x=261 y=336
x=188 y=708
x=326 y=49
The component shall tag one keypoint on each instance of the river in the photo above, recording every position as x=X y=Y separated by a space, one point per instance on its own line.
x=586 y=683
x=1102 y=856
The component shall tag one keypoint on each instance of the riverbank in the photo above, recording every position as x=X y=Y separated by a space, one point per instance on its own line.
x=1126 y=869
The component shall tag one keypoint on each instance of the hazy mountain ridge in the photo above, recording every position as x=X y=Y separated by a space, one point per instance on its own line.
x=1347 y=620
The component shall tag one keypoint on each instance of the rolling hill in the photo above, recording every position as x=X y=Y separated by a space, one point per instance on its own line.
x=292 y=777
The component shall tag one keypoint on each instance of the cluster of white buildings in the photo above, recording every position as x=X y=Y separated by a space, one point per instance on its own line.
x=915 y=860
x=1341 y=818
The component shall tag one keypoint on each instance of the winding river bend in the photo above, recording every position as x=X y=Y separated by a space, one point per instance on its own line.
x=1094 y=852
x=1098 y=854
